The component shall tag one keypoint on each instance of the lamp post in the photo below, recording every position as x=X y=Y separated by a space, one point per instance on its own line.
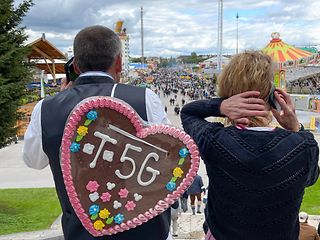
x=220 y=33
x=237 y=49
x=142 y=47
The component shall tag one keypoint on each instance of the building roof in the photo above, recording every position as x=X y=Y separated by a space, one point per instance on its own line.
x=215 y=59
x=281 y=52
x=42 y=48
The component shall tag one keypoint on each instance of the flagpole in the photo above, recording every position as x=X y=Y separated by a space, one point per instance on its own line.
x=43 y=94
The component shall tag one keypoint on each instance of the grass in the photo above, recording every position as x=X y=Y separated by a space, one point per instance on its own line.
x=23 y=210
x=311 y=203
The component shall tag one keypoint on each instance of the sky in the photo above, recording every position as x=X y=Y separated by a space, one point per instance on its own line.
x=179 y=27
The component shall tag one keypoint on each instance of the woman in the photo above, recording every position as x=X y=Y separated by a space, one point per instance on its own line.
x=257 y=174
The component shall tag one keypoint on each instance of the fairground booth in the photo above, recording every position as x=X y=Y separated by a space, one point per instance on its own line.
x=48 y=60
x=47 y=57
x=285 y=56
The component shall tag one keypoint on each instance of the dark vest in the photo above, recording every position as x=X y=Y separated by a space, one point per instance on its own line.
x=54 y=113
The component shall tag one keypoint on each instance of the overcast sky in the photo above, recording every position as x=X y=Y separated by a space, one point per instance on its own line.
x=176 y=27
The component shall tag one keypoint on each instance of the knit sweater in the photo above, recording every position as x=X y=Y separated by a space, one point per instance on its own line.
x=256 y=178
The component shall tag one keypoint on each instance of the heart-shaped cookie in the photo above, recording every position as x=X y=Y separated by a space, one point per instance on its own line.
x=118 y=172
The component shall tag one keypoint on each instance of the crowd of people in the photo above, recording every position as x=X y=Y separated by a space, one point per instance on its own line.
x=171 y=81
x=257 y=173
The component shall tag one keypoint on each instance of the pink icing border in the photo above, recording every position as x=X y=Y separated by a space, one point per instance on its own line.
x=118 y=105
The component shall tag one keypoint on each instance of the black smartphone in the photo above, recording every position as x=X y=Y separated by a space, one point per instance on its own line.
x=272 y=100
x=71 y=75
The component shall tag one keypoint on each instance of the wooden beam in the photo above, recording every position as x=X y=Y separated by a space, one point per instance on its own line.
x=42 y=53
x=48 y=66
x=54 y=73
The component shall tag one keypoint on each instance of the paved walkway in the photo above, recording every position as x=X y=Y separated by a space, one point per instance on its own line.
x=15 y=174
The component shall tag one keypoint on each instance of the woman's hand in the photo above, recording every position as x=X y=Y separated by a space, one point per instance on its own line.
x=286 y=117
x=240 y=107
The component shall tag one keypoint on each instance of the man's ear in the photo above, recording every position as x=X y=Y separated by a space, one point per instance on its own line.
x=118 y=63
x=76 y=68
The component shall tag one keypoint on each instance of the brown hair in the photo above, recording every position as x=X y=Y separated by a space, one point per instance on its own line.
x=248 y=71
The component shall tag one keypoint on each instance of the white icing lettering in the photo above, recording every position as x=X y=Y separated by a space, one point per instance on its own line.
x=126 y=134
x=104 y=138
x=154 y=172
x=125 y=158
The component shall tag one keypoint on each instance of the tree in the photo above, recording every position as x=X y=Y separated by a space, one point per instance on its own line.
x=193 y=55
x=14 y=70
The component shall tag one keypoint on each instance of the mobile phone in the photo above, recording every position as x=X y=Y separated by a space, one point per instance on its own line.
x=71 y=75
x=273 y=101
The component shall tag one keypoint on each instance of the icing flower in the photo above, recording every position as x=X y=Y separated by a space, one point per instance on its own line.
x=123 y=193
x=105 y=197
x=94 y=209
x=130 y=205
x=75 y=147
x=177 y=172
x=118 y=219
x=183 y=152
x=92 y=115
x=104 y=213
x=82 y=131
x=92 y=186
x=171 y=186
x=98 y=225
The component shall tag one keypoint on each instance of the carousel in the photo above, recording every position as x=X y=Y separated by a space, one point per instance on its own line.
x=285 y=56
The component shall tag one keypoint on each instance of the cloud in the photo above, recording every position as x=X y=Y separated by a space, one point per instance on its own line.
x=173 y=27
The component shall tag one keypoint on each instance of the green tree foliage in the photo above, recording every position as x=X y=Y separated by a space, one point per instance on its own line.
x=136 y=59
x=192 y=59
x=14 y=70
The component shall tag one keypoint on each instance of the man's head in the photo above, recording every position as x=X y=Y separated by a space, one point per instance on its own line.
x=97 y=48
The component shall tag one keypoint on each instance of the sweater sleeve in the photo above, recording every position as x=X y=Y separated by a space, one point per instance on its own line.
x=313 y=159
x=193 y=120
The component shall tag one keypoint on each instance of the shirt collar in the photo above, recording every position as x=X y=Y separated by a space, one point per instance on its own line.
x=96 y=73
x=258 y=129
x=92 y=77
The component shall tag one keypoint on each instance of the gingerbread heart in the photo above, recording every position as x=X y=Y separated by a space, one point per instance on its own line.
x=120 y=173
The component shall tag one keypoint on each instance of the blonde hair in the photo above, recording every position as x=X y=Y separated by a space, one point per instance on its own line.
x=248 y=71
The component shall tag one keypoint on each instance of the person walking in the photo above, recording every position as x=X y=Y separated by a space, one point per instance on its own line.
x=307 y=232
x=194 y=191
x=175 y=213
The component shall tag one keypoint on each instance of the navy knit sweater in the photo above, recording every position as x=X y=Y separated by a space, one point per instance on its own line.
x=256 y=178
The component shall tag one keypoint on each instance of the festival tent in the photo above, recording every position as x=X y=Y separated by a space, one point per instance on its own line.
x=285 y=55
x=213 y=62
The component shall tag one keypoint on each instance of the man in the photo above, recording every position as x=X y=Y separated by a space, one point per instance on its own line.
x=307 y=232
x=97 y=58
x=195 y=191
